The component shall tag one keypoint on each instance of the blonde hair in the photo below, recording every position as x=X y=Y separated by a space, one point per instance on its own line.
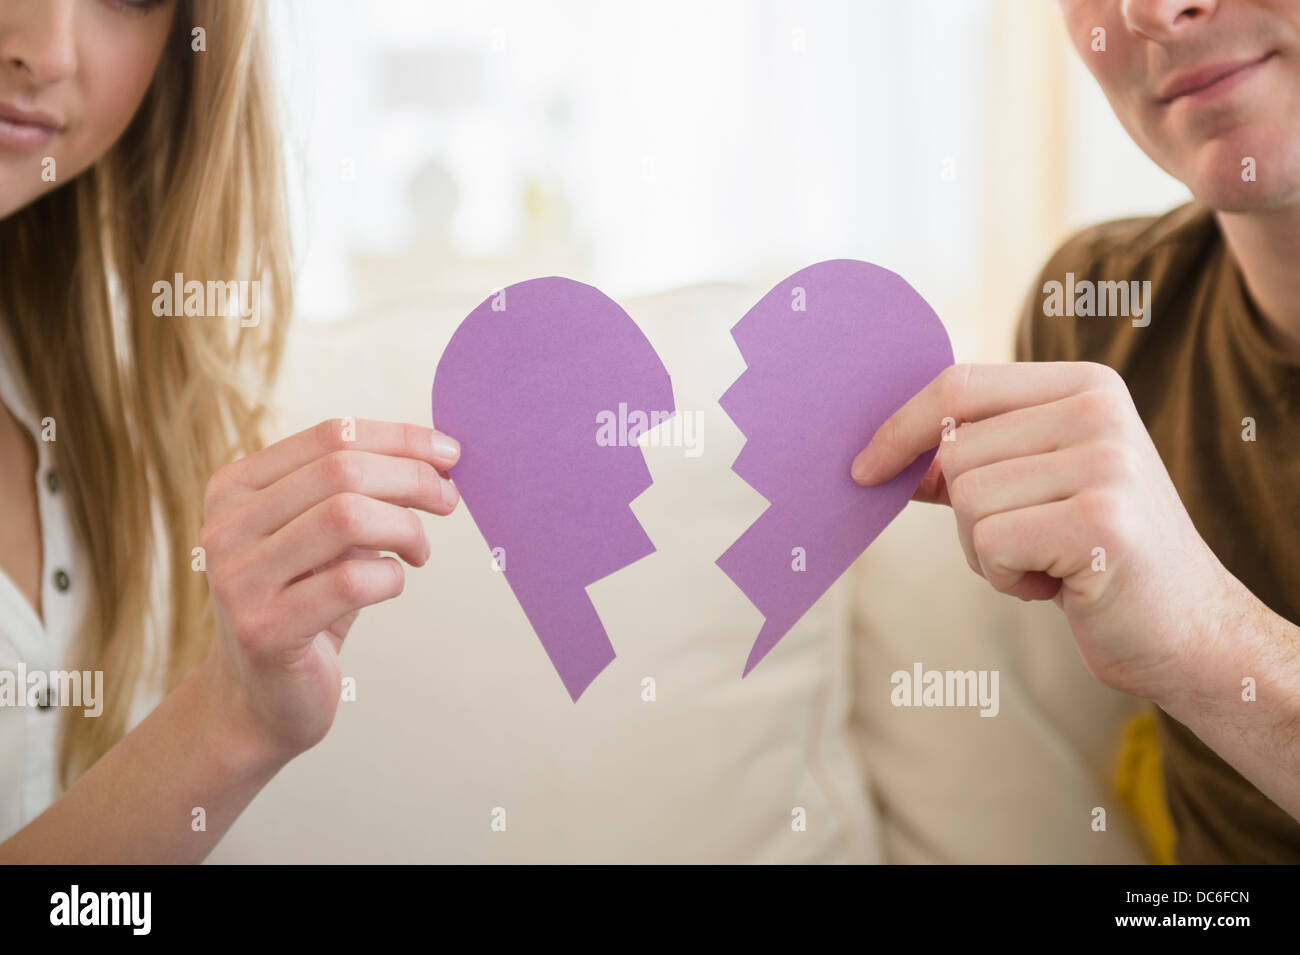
x=147 y=407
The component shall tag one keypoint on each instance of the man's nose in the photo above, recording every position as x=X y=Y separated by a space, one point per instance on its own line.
x=37 y=39
x=1164 y=20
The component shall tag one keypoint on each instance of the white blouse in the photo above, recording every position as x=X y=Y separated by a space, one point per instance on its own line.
x=29 y=734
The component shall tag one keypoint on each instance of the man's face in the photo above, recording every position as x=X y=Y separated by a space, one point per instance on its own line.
x=1210 y=89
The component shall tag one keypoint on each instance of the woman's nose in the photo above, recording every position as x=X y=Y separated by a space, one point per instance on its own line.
x=37 y=39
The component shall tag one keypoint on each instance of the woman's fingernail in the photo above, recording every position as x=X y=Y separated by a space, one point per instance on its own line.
x=861 y=468
x=450 y=496
x=446 y=447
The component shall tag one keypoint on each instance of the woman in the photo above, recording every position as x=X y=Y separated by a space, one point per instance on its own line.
x=137 y=147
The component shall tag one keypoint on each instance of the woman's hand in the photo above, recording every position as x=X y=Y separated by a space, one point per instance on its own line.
x=1059 y=494
x=292 y=539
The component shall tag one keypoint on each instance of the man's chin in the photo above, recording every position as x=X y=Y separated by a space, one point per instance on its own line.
x=1236 y=175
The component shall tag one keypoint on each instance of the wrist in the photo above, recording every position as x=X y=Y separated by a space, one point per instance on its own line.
x=1240 y=652
x=239 y=746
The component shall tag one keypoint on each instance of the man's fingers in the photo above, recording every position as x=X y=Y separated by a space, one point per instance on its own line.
x=1023 y=482
x=962 y=393
x=933 y=489
x=1025 y=432
x=1036 y=585
x=396 y=439
x=1045 y=539
x=1014 y=484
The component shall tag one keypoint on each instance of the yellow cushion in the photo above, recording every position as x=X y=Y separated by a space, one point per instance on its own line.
x=1140 y=785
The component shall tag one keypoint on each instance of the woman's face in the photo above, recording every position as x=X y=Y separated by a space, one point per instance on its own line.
x=72 y=74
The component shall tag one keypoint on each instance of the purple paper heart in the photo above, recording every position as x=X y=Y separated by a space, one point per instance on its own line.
x=547 y=385
x=832 y=352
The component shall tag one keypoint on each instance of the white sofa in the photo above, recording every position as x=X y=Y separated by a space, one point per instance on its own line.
x=459 y=714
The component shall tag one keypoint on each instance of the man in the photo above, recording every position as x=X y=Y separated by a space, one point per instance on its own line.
x=1142 y=470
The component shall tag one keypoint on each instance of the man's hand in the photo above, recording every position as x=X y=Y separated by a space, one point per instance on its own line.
x=1059 y=494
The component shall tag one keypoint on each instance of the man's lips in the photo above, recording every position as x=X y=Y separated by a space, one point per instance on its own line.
x=1210 y=79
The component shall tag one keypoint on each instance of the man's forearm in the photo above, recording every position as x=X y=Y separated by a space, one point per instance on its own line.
x=1242 y=695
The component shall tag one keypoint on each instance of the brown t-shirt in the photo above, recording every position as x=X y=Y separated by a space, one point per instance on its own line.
x=1203 y=364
